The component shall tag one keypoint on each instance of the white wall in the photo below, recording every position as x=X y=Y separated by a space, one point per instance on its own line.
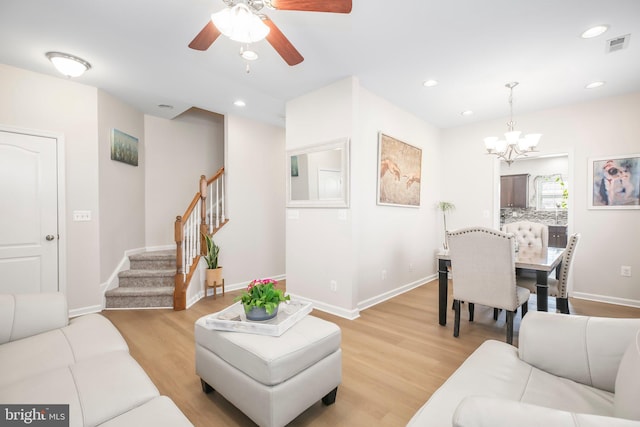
x=178 y=151
x=400 y=240
x=39 y=102
x=252 y=244
x=599 y=128
x=353 y=247
x=319 y=242
x=121 y=186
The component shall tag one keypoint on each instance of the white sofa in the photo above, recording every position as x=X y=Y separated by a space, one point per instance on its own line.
x=567 y=371
x=85 y=363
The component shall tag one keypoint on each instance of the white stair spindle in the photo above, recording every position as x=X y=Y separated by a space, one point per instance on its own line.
x=217 y=203
x=222 y=201
x=210 y=222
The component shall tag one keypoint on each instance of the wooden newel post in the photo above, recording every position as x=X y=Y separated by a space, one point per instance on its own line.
x=179 y=291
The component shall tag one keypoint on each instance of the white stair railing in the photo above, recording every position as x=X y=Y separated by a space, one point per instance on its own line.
x=205 y=215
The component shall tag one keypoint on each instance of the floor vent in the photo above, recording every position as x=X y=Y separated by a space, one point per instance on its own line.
x=618 y=43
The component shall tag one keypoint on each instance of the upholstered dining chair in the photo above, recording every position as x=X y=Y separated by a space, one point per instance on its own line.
x=483 y=266
x=557 y=287
x=528 y=234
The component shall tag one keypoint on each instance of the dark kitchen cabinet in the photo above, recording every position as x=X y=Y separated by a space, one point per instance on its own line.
x=514 y=191
x=558 y=236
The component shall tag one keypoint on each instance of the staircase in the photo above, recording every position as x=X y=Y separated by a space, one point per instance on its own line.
x=149 y=283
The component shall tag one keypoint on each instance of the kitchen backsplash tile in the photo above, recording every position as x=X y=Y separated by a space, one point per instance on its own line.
x=533 y=215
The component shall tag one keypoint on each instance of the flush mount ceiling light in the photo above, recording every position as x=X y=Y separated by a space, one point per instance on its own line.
x=430 y=83
x=467 y=113
x=239 y=103
x=594 y=85
x=512 y=146
x=68 y=65
x=594 y=31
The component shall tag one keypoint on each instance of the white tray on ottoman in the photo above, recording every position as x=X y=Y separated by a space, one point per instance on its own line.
x=234 y=319
x=272 y=379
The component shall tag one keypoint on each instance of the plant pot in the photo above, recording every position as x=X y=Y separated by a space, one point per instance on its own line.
x=258 y=314
x=214 y=277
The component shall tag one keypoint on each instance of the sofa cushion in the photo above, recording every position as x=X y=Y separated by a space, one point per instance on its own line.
x=23 y=315
x=85 y=337
x=272 y=360
x=158 y=412
x=96 y=389
x=495 y=370
x=628 y=383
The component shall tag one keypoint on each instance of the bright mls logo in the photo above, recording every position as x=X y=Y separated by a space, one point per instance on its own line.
x=34 y=415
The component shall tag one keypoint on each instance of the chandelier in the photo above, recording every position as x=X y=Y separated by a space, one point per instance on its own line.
x=512 y=146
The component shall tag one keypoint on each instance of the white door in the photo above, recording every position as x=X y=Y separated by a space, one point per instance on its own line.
x=28 y=214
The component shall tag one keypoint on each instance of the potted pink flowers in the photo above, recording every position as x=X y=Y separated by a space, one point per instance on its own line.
x=261 y=299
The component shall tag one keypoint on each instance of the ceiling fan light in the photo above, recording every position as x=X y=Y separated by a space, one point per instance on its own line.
x=240 y=24
x=249 y=55
x=68 y=65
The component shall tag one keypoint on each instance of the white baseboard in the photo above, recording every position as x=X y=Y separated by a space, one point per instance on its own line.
x=606 y=299
x=363 y=305
x=85 y=310
x=328 y=308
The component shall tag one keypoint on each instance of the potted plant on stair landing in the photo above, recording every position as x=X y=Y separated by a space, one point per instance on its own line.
x=214 y=272
x=261 y=299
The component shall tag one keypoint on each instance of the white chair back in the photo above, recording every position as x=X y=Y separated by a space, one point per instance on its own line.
x=567 y=264
x=529 y=234
x=483 y=267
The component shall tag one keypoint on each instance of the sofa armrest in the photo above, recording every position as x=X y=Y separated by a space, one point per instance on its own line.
x=24 y=315
x=476 y=411
x=581 y=348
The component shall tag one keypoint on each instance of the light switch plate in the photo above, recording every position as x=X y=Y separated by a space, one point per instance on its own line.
x=82 y=215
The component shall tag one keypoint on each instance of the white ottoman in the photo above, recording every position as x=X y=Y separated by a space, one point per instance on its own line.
x=271 y=379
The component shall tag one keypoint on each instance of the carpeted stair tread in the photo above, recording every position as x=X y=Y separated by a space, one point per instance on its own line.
x=142 y=291
x=147 y=273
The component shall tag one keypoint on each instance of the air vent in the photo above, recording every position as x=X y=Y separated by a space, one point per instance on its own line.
x=618 y=43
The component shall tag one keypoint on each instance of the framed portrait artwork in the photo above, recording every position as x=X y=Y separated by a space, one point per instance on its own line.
x=399 y=172
x=614 y=182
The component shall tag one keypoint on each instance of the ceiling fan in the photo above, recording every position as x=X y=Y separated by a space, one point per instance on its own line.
x=250 y=9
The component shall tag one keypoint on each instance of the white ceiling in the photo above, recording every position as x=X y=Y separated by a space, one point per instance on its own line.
x=138 y=50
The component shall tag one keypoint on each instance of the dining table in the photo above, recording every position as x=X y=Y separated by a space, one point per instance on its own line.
x=541 y=260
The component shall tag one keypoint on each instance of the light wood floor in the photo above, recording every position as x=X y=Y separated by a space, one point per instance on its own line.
x=395 y=355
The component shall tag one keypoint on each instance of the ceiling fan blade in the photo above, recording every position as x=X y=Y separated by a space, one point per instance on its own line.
x=334 y=6
x=282 y=45
x=205 y=37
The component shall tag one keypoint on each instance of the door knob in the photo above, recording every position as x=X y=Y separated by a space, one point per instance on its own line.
x=50 y=237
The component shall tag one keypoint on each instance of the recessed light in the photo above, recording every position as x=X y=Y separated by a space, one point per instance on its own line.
x=594 y=85
x=594 y=31
x=239 y=103
x=467 y=113
x=430 y=83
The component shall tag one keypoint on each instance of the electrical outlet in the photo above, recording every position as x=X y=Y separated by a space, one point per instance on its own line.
x=625 y=270
x=333 y=285
x=384 y=274
x=410 y=266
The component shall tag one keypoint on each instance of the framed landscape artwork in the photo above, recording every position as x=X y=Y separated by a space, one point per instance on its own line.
x=614 y=182
x=399 y=172
x=124 y=148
